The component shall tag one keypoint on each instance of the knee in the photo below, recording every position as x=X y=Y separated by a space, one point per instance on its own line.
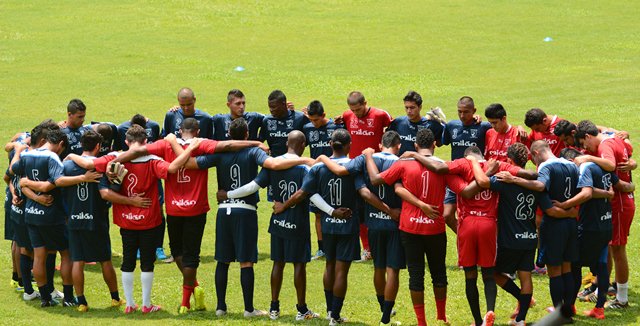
x=488 y=272
x=416 y=280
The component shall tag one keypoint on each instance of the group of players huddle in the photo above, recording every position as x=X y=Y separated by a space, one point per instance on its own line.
x=384 y=188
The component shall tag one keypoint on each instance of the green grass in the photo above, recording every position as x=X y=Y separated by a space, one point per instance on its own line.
x=132 y=56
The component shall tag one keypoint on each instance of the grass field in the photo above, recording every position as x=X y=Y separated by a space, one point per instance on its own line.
x=129 y=57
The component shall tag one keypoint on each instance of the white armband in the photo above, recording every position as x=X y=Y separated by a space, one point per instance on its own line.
x=244 y=191
x=321 y=204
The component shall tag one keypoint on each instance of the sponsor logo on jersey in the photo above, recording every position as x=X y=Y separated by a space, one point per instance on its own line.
x=335 y=220
x=17 y=209
x=320 y=144
x=82 y=216
x=290 y=124
x=361 y=132
x=314 y=136
x=464 y=143
x=526 y=236
x=285 y=224
x=498 y=153
x=478 y=213
x=606 y=216
x=133 y=217
x=183 y=202
x=551 y=141
x=34 y=211
x=279 y=133
x=408 y=138
x=379 y=215
x=455 y=134
x=421 y=220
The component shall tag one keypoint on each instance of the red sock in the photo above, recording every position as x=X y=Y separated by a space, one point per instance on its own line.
x=195 y=283
x=187 y=291
x=441 y=308
x=419 y=310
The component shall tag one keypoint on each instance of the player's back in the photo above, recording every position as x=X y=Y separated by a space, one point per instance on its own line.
x=560 y=178
x=595 y=214
x=84 y=204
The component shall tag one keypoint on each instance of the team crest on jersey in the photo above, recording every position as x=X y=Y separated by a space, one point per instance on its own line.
x=314 y=136
x=507 y=142
x=455 y=134
x=474 y=133
x=178 y=123
x=329 y=133
x=370 y=123
x=354 y=123
x=289 y=124
x=272 y=124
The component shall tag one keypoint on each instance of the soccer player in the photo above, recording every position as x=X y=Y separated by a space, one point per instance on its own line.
x=461 y=134
x=236 y=103
x=613 y=156
x=290 y=236
x=566 y=130
x=421 y=226
x=318 y=135
x=186 y=109
x=237 y=219
x=366 y=125
x=151 y=128
x=502 y=134
x=542 y=128
x=109 y=133
x=46 y=224
x=407 y=126
x=594 y=226
x=87 y=222
x=340 y=233
x=276 y=126
x=73 y=128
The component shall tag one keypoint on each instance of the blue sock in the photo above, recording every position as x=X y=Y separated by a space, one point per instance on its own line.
x=222 y=276
x=603 y=284
x=386 y=311
x=336 y=307
x=556 y=289
x=50 y=267
x=26 y=264
x=68 y=293
x=525 y=301
x=569 y=295
x=328 y=298
x=247 y=279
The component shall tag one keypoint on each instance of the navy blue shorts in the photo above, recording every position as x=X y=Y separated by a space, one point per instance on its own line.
x=386 y=249
x=342 y=247
x=236 y=235
x=90 y=245
x=21 y=236
x=8 y=222
x=290 y=250
x=511 y=260
x=558 y=241
x=593 y=247
x=52 y=237
x=449 y=196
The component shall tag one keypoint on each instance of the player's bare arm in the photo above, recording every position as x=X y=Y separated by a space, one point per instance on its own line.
x=44 y=199
x=372 y=169
x=481 y=177
x=376 y=202
x=506 y=177
x=138 y=200
x=334 y=167
x=429 y=210
x=83 y=162
x=605 y=164
x=431 y=164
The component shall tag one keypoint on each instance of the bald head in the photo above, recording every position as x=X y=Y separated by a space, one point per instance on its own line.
x=186 y=92
x=296 y=142
x=540 y=146
x=187 y=101
x=540 y=151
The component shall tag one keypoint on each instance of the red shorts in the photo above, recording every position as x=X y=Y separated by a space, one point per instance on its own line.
x=621 y=220
x=477 y=242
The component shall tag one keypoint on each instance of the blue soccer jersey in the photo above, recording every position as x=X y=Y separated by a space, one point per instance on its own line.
x=517 y=215
x=221 y=124
x=294 y=222
x=74 y=135
x=108 y=146
x=336 y=191
x=595 y=214
x=318 y=138
x=235 y=169
x=42 y=165
x=460 y=136
x=152 y=129
x=560 y=178
x=17 y=211
x=275 y=131
x=173 y=120
x=408 y=130
x=85 y=207
x=375 y=219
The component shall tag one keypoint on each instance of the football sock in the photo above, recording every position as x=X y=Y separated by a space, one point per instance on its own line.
x=81 y=300
x=622 y=292
x=45 y=295
x=336 y=307
x=569 y=295
x=247 y=279
x=328 y=298
x=490 y=292
x=418 y=309
x=26 y=264
x=556 y=289
x=68 y=293
x=302 y=308
x=127 y=286
x=147 y=284
x=115 y=295
x=14 y=276
x=275 y=305
x=471 y=290
x=222 y=274
x=603 y=286
x=380 y=301
x=525 y=301
x=386 y=311
x=50 y=267
x=320 y=245
x=20 y=284
x=512 y=288
x=187 y=291
x=441 y=309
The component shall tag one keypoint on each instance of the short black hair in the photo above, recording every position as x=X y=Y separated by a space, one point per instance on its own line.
x=495 y=111
x=56 y=136
x=473 y=150
x=40 y=131
x=234 y=93
x=277 y=96
x=355 y=97
x=315 y=108
x=238 y=129
x=140 y=120
x=190 y=124
x=339 y=139
x=586 y=127
x=104 y=129
x=534 y=117
x=76 y=105
x=414 y=97
x=90 y=139
x=519 y=154
x=390 y=138
x=467 y=101
x=425 y=138
x=570 y=153
x=564 y=128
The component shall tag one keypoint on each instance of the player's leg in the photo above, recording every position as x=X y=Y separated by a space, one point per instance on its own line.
x=471 y=291
x=175 y=226
x=414 y=252
x=26 y=264
x=277 y=270
x=77 y=272
x=59 y=241
x=193 y=232
x=148 y=243
x=40 y=255
x=328 y=278
x=449 y=212
x=320 y=252
x=347 y=250
x=130 y=248
x=377 y=244
x=436 y=252
x=526 y=292
x=246 y=231
x=468 y=259
x=15 y=261
x=486 y=230
x=298 y=252
x=111 y=280
x=224 y=254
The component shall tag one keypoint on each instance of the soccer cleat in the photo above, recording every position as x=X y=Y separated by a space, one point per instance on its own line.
x=582 y=296
x=612 y=291
x=540 y=270
x=221 y=312
x=150 y=309
x=443 y=322
x=169 y=260
x=32 y=296
x=49 y=303
x=328 y=315
x=274 y=314
x=319 y=254
x=391 y=323
x=255 y=313
x=306 y=316
x=117 y=303
x=615 y=304
x=597 y=313
x=130 y=309
x=138 y=255
x=198 y=298
x=72 y=303
x=55 y=294
x=366 y=255
x=183 y=310
x=513 y=322
x=160 y=254
x=338 y=321
x=532 y=303
x=489 y=318
x=83 y=308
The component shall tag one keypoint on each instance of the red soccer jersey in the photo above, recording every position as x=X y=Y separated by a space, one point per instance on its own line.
x=366 y=131
x=100 y=163
x=429 y=187
x=554 y=143
x=186 y=191
x=143 y=176
x=617 y=151
x=496 y=144
x=485 y=203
